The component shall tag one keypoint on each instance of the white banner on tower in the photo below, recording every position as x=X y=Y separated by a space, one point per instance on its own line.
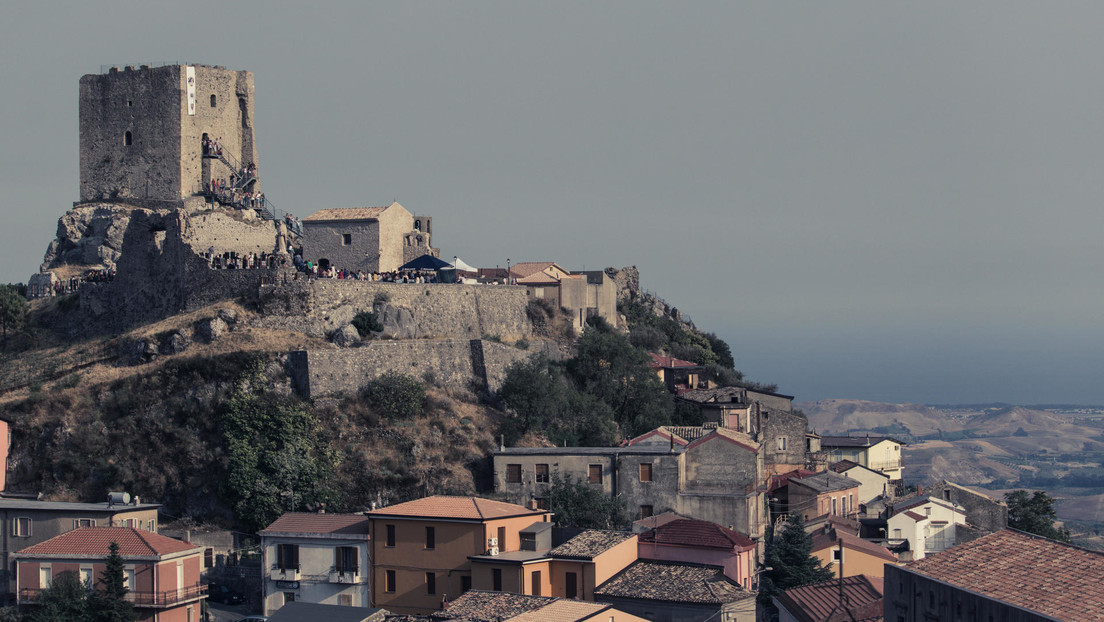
x=190 y=72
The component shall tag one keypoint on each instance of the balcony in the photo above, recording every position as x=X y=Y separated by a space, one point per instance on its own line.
x=290 y=573
x=347 y=575
x=150 y=600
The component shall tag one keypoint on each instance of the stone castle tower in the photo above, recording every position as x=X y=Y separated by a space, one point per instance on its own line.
x=142 y=130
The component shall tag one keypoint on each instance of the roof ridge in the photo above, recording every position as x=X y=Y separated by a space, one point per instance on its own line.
x=144 y=540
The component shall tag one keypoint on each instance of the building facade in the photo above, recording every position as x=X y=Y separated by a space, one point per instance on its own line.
x=315 y=558
x=880 y=453
x=372 y=239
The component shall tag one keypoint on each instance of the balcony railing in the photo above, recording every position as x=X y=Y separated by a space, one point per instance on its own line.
x=167 y=598
x=287 y=573
x=346 y=575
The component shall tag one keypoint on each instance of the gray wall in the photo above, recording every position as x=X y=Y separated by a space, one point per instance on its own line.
x=981 y=511
x=914 y=598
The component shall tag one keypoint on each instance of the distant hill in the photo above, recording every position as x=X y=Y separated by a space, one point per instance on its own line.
x=842 y=416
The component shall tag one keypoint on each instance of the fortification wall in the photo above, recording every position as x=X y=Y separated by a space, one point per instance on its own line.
x=439 y=310
x=225 y=231
x=473 y=363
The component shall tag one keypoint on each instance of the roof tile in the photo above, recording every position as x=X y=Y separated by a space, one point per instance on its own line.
x=311 y=522
x=698 y=534
x=673 y=582
x=467 y=508
x=591 y=543
x=820 y=602
x=97 y=541
x=338 y=214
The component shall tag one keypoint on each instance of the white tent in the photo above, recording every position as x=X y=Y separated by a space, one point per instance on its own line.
x=461 y=266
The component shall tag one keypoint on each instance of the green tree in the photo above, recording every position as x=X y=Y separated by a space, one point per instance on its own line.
x=1034 y=513
x=544 y=400
x=108 y=602
x=789 y=557
x=66 y=600
x=13 y=311
x=397 y=395
x=278 y=460
x=578 y=504
x=366 y=323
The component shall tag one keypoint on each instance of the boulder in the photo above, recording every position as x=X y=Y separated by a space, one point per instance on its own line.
x=174 y=342
x=347 y=336
x=397 y=322
x=136 y=351
x=211 y=329
x=229 y=316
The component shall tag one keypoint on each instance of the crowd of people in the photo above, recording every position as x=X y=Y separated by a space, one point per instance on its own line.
x=71 y=284
x=313 y=270
x=211 y=147
x=232 y=260
x=293 y=224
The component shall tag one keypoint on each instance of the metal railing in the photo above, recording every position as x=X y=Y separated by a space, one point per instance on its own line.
x=167 y=598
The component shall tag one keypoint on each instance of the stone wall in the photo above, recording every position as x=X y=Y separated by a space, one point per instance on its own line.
x=324 y=240
x=981 y=511
x=774 y=425
x=320 y=306
x=238 y=231
x=468 y=363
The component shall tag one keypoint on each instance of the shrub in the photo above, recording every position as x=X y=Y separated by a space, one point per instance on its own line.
x=366 y=323
x=397 y=395
x=381 y=298
x=522 y=344
x=490 y=337
x=648 y=338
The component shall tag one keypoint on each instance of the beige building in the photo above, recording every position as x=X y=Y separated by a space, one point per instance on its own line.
x=871 y=483
x=582 y=294
x=844 y=552
x=880 y=453
x=372 y=239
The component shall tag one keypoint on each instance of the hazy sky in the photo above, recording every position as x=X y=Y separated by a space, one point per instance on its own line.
x=865 y=199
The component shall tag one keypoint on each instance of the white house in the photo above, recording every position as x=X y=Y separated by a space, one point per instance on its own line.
x=880 y=453
x=871 y=483
x=928 y=524
x=315 y=558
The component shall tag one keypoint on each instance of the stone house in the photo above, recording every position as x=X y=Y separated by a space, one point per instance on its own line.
x=1009 y=576
x=880 y=453
x=677 y=375
x=162 y=574
x=981 y=511
x=583 y=294
x=315 y=558
x=28 y=522
x=822 y=493
x=664 y=591
x=372 y=239
x=715 y=477
x=871 y=483
x=702 y=542
x=421 y=549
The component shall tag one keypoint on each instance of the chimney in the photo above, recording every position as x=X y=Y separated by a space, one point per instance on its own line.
x=322 y=508
x=533 y=504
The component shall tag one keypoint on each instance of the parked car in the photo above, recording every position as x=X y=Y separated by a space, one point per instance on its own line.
x=219 y=593
x=253 y=619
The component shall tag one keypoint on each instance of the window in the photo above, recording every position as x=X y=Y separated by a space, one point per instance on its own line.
x=127 y=138
x=431 y=537
x=128 y=578
x=44 y=576
x=897 y=534
x=927 y=511
x=571 y=585
x=84 y=522
x=151 y=525
x=431 y=583
x=346 y=239
x=837 y=555
x=645 y=511
x=595 y=474
x=513 y=473
x=213 y=100
x=347 y=559
x=834 y=500
x=947 y=494
x=390 y=542
x=21 y=527
x=496 y=579
x=191 y=614
x=781 y=443
x=645 y=471
x=465 y=583
x=208 y=557
x=345 y=600
x=502 y=539
x=535 y=583
x=287 y=556
x=389 y=581
x=542 y=474
x=86 y=575
x=289 y=597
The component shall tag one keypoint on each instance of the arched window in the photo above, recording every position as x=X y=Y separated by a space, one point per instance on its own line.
x=417 y=225
x=213 y=100
x=127 y=138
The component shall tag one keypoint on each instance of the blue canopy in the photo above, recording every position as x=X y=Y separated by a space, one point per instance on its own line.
x=425 y=262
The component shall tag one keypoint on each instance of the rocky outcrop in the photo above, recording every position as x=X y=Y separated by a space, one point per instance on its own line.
x=346 y=336
x=89 y=235
x=397 y=322
x=211 y=329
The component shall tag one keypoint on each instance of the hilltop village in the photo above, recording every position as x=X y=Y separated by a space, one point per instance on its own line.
x=515 y=442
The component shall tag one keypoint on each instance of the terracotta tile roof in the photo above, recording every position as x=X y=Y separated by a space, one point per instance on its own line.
x=590 y=544
x=660 y=361
x=829 y=538
x=673 y=582
x=778 y=481
x=820 y=602
x=339 y=214
x=562 y=610
x=914 y=516
x=95 y=541
x=1041 y=575
x=465 y=508
x=855 y=441
x=539 y=278
x=698 y=534
x=656 y=521
x=526 y=268
x=310 y=522
x=732 y=436
x=481 y=606
x=826 y=481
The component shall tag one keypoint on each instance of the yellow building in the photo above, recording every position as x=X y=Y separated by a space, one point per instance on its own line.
x=420 y=548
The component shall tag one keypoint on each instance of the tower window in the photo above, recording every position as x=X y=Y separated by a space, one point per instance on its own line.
x=346 y=239
x=213 y=100
x=130 y=103
x=127 y=138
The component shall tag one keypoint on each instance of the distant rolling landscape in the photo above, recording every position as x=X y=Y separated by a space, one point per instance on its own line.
x=991 y=447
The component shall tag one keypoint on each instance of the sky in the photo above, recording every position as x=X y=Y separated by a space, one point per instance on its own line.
x=869 y=200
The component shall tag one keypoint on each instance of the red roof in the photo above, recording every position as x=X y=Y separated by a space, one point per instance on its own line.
x=95 y=541
x=698 y=534
x=829 y=539
x=465 y=508
x=658 y=361
x=310 y=522
x=1032 y=572
x=736 y=438
x=820 y=602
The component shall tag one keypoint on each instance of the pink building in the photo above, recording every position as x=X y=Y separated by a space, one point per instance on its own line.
x=161 y=573
x=701 y=542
